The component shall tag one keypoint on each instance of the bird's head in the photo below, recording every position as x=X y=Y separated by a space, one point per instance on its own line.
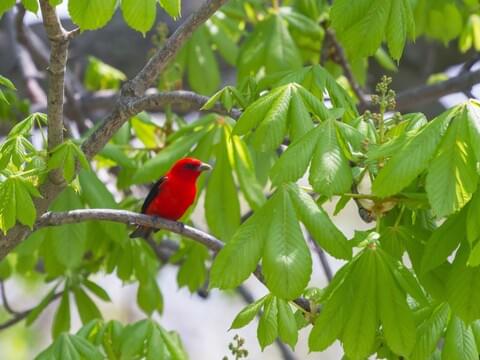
x=188 y=168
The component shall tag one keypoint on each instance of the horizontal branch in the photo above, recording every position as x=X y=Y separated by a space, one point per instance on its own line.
x=128 y=217
x=428 y=93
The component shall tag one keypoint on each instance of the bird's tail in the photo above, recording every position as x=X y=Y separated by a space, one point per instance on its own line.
x=141 y=231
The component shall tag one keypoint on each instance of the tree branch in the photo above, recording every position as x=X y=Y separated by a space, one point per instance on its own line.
x=56 y=75
x=128 y=217
x=429 y=93
x=136 y=87
x=158 y=62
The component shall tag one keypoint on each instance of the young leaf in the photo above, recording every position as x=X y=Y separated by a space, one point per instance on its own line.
x=8 y=212
x=97 y=290
x=86 y=307
x=61 y=320
x=248 y=313
x=287 y=325
x=267 y=330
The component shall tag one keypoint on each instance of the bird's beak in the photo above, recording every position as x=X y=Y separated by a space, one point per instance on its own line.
x=204 y=167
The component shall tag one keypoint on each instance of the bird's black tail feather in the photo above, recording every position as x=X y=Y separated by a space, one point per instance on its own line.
x=141 y=231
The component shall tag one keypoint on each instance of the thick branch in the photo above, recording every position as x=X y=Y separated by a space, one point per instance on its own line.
x=157 y=63
x=56 y=73
x=128 y=217
x=424 y=94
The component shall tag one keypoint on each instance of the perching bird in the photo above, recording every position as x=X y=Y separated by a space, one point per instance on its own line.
x=173 y=193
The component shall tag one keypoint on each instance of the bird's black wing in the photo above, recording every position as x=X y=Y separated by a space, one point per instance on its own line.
x=153 y=193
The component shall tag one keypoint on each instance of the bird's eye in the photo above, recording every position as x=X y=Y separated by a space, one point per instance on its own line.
x=191 y=166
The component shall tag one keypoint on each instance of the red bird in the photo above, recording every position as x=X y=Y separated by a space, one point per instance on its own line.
x=173 y=193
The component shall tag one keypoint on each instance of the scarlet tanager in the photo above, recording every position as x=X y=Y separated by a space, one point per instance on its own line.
x=173 y=193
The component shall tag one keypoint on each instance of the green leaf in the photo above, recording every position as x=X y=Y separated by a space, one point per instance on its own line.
x=400 y=24
x=462 y=294
x=287 y=264
x=172 y=7
x=429 y=332
x=287 y=325
x=240 y=255
x=395 y=315
x=25 y=126
x=61 y=320
x=3 y=80
x=97 y=290
x=221 y=196
x=472 y=115
x=201 y=64
x=267 y=330
x=149 y=297
x=452 y=176
x=7 y=205
x=245 y=170
x=331 y=321
x=5 y=5
x=358 y=335
x=330 y=171
x=361 y=26
x=156 y=348
x=133 y=338
x=269 y=45
x=294 y=161
x=459 y=341
x=91 y=14
x=193 y=272
x=37 y=310
x=413 y=158
x=26 y=212
x=139 y=14
x=319 y=224
x=31 y=5
x=86 y=307
x=248 y=313
x=174 y=345
x=443 y=241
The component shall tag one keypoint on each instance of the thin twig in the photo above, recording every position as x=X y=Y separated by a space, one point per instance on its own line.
x=323 y=259
x=6 y=304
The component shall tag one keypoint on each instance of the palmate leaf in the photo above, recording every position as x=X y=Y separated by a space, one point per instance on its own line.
x=273 y=234
x=361 y=26
x=380 y=299
x=284 y=108
x=413 y=158
x=319 y=82
x=452 y=176
x=330 y=172
x=271 y=46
